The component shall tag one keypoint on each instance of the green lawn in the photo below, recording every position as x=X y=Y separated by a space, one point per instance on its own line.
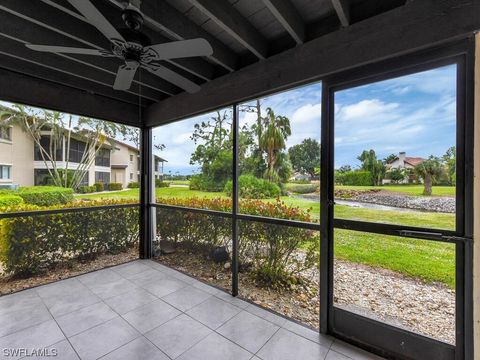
x=178 y=182
x=414 y=190
x=430 y=261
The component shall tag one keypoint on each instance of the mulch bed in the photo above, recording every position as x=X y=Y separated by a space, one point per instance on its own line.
x=12 y=284
x=299 y=302
x=381 y=294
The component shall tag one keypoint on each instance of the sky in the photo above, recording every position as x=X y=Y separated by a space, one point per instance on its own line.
x=414 y=113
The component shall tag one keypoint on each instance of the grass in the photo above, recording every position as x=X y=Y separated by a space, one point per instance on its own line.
x=178 y=182
x=414 y=190
x=427 y=260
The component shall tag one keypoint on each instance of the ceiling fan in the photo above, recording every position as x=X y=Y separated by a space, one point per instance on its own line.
x=134 y=47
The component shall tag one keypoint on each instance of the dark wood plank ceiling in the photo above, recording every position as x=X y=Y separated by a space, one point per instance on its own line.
x=241 y=32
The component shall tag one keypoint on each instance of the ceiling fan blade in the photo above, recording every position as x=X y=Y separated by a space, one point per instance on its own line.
x=95 y=17
x=125 y=75
x=173 y=77
x=180 y=49
x=68 y=50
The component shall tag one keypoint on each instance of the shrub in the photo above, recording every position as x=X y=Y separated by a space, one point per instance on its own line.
x=115 y=186
x=133 y=185
x=301 y=188
x=45 y=195
x=87 y=189
x=33 y=244
x=161 y=184
x=201 y=182
x=250 y=187
x=354 y=178
x=10 y=200
x=269 y=251
x=99 y=186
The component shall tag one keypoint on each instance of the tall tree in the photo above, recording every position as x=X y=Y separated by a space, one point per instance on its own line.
x=429 y=170
x=276 y=130
x=38 y=124
x=450 y=161
x=371 y=164
x=305 y=157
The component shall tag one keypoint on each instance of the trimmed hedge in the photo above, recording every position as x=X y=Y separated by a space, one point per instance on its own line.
x=115 y=186
x=161 y=184
x=133 y=185
x=268 y=252
x=87 y=189
x=45 y=195
x=354 y=178
x=251 y=187
x=99 y=186
x=10 y=200
x=301 y=188
x=32 y=244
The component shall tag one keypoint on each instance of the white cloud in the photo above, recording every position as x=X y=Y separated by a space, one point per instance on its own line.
x=307 y=113
x=366 y=110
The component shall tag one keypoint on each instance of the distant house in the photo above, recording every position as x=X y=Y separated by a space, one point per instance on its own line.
x=404 y=162
x=297 y=176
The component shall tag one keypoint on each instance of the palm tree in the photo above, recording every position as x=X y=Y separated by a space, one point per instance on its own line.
x=276 y=130
x=43 y=123
x=429 y=170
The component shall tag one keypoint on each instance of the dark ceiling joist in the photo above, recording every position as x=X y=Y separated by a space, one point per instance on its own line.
x=32 y=68
x=15 y=47
x=28 y=90
x=159 y=15
x=102 y=69
x=415 y=26
x=288 y=16
x=29 y=16
x=342 y=8
x=230 y=20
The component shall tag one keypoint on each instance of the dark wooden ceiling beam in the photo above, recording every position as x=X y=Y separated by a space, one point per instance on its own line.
x=28 y=90
x=74 y=27
x=37 y=70
x=161 y=16
x=31 y=18
x=230 y=20
x=421 y=24
x=15 y=47
x=288 y=17
x=102 y=69
x=342 y=8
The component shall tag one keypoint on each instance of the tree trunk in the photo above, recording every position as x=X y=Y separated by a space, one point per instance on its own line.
x=427 y=185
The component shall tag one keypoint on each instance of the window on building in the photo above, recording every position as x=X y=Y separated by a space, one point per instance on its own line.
x=103 y=177
x=131 y=158
x=6 y=133
x=77 y=149
x=103 y=158
x=45 y=144
x=5 y=172
x=131 y=176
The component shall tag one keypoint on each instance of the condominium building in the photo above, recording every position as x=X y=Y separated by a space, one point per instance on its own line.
x=22 y=164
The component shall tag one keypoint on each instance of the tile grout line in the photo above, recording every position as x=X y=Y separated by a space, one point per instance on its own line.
x=65 y=335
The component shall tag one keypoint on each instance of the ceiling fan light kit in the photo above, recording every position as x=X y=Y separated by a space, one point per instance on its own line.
x=134 y=47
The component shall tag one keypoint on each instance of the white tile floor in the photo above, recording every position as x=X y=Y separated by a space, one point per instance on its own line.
x=144 y=310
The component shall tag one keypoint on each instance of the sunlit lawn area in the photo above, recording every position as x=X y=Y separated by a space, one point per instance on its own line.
x=427 y=260
x=414 y=190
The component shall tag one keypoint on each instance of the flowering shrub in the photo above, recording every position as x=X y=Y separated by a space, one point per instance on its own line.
x=270 y=252
x=32 y=244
